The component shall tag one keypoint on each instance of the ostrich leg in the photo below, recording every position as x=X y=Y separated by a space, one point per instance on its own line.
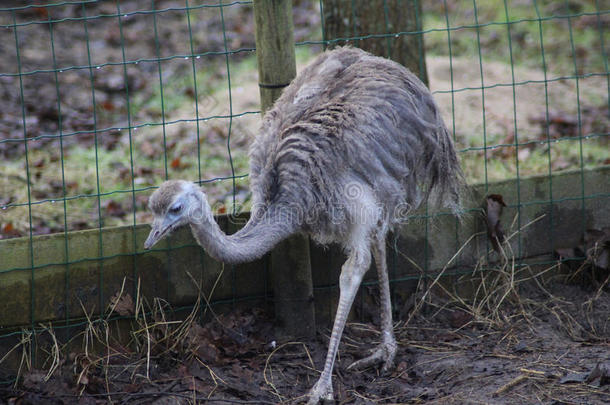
x=386 y=351
x=351 y=275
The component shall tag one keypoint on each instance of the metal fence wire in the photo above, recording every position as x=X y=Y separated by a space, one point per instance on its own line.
x=102 y=101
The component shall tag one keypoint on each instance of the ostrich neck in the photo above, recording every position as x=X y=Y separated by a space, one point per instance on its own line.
x=257 y=237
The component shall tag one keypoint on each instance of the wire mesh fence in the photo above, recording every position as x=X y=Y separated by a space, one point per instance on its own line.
x=101 y=101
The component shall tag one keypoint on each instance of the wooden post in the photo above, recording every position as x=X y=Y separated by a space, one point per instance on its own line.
x=354 y=18
x=274 y=48
x=290 y=262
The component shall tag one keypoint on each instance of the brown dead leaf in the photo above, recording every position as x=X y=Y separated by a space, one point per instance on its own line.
x=401 y=371
x=114 y=209
x=8 y=230
x=178 y=164
x=144 y=171
x=597 y=247
x=495 y=204
x=559 y=124
x=111 y=140
x=108 y=105
x=459 y=319
x=122 y=304
x=198 y=340
x=189 y=91
x=79 y=225
x=42 y=12
x=134 y=387
x=196 y=385
x=242 y=372
x=207 y=352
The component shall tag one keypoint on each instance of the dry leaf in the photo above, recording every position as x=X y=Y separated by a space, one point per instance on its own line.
x=9 y=230
x=574 y=378
x=41 y=11
x=196 y=385
x=601 y=372
x=114 y=209
x=495 y=204
x=122 y=304
x=459 y=319
x=597 y=247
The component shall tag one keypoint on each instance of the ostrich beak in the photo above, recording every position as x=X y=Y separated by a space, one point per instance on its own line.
x=158 y=231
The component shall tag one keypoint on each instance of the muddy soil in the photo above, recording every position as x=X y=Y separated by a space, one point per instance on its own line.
x=556 y=351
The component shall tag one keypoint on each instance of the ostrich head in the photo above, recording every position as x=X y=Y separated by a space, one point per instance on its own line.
x=174 y=204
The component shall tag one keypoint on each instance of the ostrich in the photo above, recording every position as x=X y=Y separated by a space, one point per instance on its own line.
x=352 y=144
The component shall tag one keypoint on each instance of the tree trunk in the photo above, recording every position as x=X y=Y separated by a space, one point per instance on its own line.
x=388 y=28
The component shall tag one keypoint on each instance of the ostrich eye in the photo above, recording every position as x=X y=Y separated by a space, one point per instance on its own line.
x=175 y=209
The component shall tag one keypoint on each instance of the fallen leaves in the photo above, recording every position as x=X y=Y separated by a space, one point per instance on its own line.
x=178 y=164
x=122 y=304
x=494 y=205
x=114 y=208
x=557 y=126
x=598 y=376
x=597 y=247
x=8 y=231
x=561 y=124
x=573 y=378
x=591 y=258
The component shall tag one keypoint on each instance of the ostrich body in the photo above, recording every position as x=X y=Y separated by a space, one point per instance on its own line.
x=353 y=144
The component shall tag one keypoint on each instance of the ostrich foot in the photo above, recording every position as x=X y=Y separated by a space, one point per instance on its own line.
x=384 y=353
x=322 y=392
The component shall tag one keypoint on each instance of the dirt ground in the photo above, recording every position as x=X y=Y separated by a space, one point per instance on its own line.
x=552 y=346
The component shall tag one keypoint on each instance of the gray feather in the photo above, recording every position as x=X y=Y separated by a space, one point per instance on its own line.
x=353 y=117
